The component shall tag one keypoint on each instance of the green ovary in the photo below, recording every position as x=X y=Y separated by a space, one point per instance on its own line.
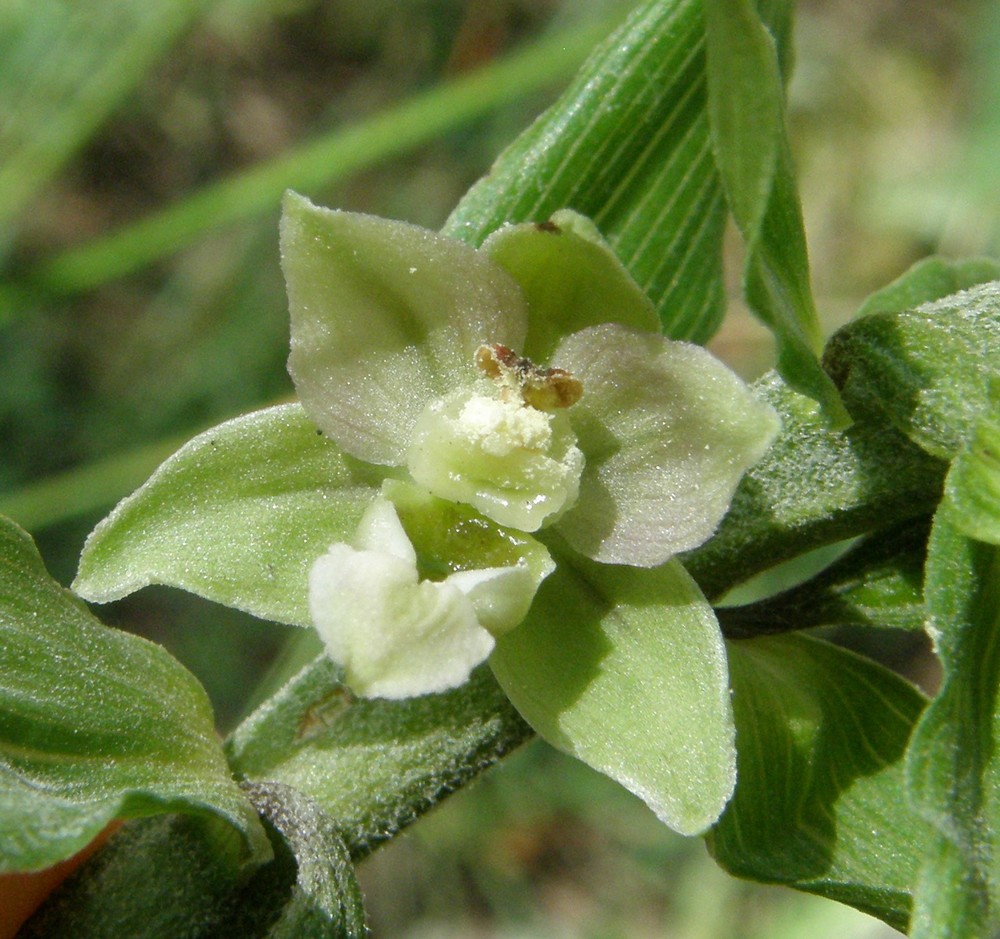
x=517 y=465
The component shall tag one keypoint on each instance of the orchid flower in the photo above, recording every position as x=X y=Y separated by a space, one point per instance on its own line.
x=526 y=381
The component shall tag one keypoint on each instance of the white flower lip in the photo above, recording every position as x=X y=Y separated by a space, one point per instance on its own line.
x=397 y=636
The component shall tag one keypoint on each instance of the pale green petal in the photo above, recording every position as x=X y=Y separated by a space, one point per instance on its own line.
x=571 y=279
x=385 y=317
x=667 y=431
x=394 y=637
x=501 y=596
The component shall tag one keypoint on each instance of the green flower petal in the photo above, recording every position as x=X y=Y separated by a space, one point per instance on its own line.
x=385 y=317
x=667 y=431
x=571 y=280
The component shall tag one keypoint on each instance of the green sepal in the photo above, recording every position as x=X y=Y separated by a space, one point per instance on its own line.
x=95 y=724
x=820 y=800
x=237 y=515
x=386 y=317
x=570 y=279
x=625 y=669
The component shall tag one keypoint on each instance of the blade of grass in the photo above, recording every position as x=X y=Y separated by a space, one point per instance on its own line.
x=63 y=75
x=332 y=157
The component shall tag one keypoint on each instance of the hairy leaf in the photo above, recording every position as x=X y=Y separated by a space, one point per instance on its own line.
x=627 y=145
x=952 y=768
x=746 y=110
x=95 y=724
x=879 y=582
x=929 y=371
x=374 y=765
x=820 y=797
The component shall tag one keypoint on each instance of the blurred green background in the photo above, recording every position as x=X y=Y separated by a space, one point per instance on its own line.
x=143 y=148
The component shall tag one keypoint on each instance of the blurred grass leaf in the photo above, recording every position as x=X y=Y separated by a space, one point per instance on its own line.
x=60 y=78
x=94 y=725
x=329 y=158
x=952 y=766
x=820 y=799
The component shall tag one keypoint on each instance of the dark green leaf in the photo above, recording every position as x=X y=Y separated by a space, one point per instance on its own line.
x=928 y=371
x=237 y=515
x=374 y=765
x=627 y=145
x=930 y=279
x=157 y=878
x=972 y=487
x=952 y=769
x=94 y=724
x=820 y=797
x=325 y=902
x=746 y=110
x=814 y=487
x=879 y=582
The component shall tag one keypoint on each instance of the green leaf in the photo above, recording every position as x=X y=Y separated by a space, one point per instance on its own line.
x=625 y=669
x=570 y=279
x=325 y=900
x=385 y=318
x=972 y=487
x=238 y=515
x=952 y=767
x=94 y=724
x=814 y=487
x=879 y=582
x=374 y=766
x=746 y=110
x=929 y=371
x=627 y=145
x=158 y=878
x=930 y=279
x=820 y=798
